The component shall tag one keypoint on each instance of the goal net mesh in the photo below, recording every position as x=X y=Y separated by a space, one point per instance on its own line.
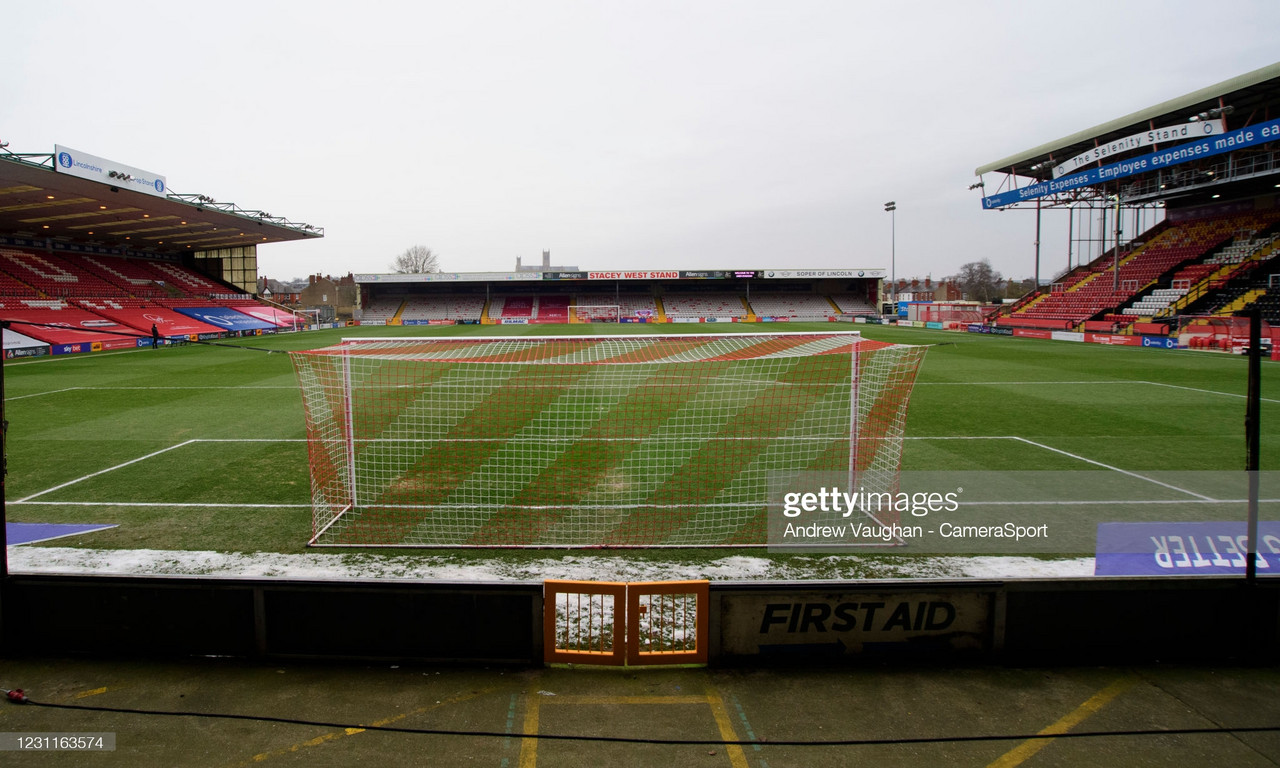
x=589 y=441
x=597 y=313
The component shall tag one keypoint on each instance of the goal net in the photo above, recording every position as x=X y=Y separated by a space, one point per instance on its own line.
x=590 y=441
x=597 y=313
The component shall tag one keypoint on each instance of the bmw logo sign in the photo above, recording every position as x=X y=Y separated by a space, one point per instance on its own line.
x=861 y=273
x=64 y=159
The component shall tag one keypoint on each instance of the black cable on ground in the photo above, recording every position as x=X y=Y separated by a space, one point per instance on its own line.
x=669 y=742
x=136 y=336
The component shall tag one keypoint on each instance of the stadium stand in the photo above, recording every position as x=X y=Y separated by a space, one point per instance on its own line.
x=551 y=309
x=854 y=305
x=136 y=277
x=56 y=322
x=793 y=306
x=511 y=307
x=719 y=305
x=12 y=286
x=445 y=307
x=54 y=276
x=140 y=316
x=187 y=280
x=629 y=304
x=1173 y=258
x=1250 y=282
x=1154 y=302
x=382 y=309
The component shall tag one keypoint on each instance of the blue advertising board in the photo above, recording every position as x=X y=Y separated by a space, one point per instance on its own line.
x=1183 y=549
x=224 y=317
x=1209 y=146
x=1164 y=342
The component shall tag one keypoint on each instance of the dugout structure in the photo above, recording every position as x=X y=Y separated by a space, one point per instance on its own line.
x=1222 y=332
x=590 y=441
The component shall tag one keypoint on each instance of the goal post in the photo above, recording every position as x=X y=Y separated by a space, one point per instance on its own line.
x=597 y=313
x=590 y=441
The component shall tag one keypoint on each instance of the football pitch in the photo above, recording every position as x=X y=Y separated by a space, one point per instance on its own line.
x=202 y=447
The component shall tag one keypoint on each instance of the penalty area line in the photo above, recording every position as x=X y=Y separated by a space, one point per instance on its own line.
x=41 y=394
x=153 y=454
x=1078 y=457
x=1205 y=391
x=166 y=504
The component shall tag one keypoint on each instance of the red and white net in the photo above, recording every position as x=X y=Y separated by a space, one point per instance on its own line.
x=590 y=441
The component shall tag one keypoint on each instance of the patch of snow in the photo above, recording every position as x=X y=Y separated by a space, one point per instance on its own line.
x=584 y=567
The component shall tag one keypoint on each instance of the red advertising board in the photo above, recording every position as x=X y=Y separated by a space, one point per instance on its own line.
x=1114 y=339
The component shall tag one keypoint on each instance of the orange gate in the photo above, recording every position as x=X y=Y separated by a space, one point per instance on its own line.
x=637 y=623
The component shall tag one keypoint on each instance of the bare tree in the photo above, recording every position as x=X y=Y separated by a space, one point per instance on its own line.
x=979 y=281
x=416 y=260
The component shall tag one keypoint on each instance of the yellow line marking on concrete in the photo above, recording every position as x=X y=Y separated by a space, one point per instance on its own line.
x=529 y=747
x=712 y=698
x=591 y=699
x=737 y=758
x=1024 y=751
x=345 y=732
x=94 y=692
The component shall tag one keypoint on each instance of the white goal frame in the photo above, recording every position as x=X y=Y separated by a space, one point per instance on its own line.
x=582 y=313
x=743 y=407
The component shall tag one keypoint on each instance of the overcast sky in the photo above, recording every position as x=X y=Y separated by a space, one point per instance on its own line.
x=679 y=135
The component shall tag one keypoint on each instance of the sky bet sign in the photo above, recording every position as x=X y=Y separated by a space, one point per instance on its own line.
x=85 y=166
x=1209 y=146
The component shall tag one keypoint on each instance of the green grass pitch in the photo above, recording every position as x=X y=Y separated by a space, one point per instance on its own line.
x=201 y=447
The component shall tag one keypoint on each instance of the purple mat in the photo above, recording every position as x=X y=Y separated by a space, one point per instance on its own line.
x=29 y=533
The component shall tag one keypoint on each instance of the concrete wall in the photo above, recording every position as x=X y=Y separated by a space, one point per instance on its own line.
x=1213 y=619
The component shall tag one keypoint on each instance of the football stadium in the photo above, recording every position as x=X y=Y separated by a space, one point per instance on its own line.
x=558 y=471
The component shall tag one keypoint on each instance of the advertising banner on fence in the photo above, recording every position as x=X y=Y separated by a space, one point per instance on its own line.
x=812 y=624
x=21 y=345
x=822 y=274
x=1169 y=133
x=1184 y=549
x=1114 y=339
x=224 y=317
x=448 y=277
x=1164 y=342
x=1209 y=146
x=662 y=274
x=83 y=165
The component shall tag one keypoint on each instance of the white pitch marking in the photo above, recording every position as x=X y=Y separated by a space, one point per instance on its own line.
x=155 y=504
x=126 y=389
x=103 y=471
x=1114 y=469
x=1113 y=381
x=56 y=358
x=40 y=394
x=248 y=440
x=999 y=383
x=1206 y=391
x=1085 y=503
x=960 y=437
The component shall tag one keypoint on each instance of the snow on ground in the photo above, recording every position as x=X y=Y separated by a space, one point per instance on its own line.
x=586 y=567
